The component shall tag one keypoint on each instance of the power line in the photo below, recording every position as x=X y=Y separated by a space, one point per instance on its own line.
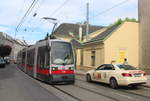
x=21 y=9
x=34 y=15
x=22 y=6
x=27 y=13
x=37 y=8
x=61 y=6
x=56 y=10
x=114 y=6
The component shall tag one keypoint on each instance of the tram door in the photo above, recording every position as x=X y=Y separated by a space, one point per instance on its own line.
x=42 y=62
x=35 y=63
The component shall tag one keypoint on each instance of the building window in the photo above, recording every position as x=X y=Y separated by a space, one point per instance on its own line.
x=93 y=58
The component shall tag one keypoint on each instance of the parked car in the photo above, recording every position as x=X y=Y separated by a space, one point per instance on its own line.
x=7 y=60
x=117 y=75
x=2 y=62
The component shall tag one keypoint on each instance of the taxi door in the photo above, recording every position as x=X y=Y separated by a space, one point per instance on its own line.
x=108 y=71
x=103 y=73
x=99 y=74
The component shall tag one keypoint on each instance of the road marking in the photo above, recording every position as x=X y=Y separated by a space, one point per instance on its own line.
x=122 y=95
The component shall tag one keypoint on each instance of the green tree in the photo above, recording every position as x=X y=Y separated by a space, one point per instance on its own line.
x=120 y=21
x=132 y=19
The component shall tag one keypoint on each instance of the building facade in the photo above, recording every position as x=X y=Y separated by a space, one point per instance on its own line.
x=112 y=45
x=144 y=18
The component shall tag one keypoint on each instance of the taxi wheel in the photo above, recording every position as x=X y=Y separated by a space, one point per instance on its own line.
x=88 y=78
x=113 y=83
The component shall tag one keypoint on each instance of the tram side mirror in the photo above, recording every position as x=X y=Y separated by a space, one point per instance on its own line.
x=48 y=48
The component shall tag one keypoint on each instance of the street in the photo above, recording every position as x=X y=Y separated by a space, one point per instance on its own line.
x=15 y=85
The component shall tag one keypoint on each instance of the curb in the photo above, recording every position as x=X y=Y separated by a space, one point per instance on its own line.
x=80 y=74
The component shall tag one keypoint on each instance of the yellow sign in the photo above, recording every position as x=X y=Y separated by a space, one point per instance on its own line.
x=122 y=56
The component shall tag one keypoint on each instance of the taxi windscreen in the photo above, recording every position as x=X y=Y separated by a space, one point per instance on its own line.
x=127 y=67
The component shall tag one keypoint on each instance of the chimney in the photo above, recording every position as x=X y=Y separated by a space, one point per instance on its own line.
x=80 y=32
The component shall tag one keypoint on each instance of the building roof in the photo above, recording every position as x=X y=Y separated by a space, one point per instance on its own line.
x=76 y=43
x=72 y=30
x=103 y=35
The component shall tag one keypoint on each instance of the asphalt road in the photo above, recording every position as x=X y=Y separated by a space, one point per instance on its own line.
x=17 y=86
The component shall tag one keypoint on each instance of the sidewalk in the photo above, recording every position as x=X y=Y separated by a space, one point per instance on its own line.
x=82 y=72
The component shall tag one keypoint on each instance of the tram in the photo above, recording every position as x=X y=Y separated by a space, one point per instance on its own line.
x=50 y=61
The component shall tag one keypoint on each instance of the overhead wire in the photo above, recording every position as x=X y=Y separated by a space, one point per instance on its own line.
x=27 y=13
x=106 y=10
x=55 y=11
x=22 y=7
x=35 y=13
x=59 y=8
x=20 y=11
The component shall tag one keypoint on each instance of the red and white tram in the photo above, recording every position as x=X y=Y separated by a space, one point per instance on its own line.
x=51 y=61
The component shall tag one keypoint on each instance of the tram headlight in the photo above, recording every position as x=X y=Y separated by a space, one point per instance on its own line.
x=54 y=68
x=71 y=68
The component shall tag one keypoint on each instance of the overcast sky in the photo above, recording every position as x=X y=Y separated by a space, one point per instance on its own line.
x=73 y=11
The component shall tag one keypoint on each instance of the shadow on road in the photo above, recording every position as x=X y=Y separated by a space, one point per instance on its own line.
x=119 y=88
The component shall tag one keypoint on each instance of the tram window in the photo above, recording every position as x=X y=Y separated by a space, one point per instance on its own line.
x=30 y=57
x=23 y=57
x=47 y=59
x=43 y=58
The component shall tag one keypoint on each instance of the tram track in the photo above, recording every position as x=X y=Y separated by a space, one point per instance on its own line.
x=128 y=92
x=85 y=89
x=79 y=98
x=98 y=93
x=133 y=93
x=74 y=97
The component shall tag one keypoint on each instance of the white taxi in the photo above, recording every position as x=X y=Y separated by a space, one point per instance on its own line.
x=117 y=75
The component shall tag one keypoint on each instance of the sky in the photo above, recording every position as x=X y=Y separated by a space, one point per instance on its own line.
x=35 y=28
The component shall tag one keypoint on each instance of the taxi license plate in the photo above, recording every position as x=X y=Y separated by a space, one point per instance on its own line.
x=137 y=75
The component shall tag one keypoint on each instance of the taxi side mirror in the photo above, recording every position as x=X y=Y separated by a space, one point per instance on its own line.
x=96 y=69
